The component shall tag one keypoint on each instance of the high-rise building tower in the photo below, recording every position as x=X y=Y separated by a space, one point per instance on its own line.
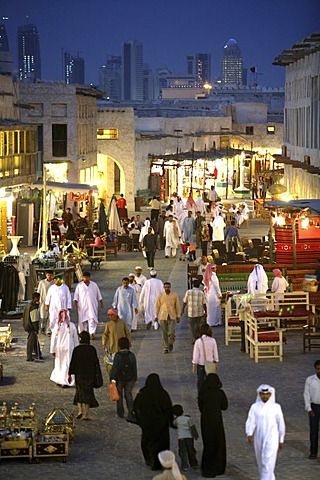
x=29 y=61
x=110 y=78
x=5 y=54
x=199 y=65
x=132 y=71
x=232 y=63
x=73 y=69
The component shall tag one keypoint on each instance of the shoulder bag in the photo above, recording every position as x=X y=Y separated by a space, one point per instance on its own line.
x=113 y=392
x=209 y=367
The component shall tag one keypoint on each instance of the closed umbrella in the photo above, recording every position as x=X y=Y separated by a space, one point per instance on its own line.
x=102 y=219
x=114 y=220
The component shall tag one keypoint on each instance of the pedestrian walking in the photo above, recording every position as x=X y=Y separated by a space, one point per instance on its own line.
x=153 y=408
x=195 y=302
x=114 y=330
x=213 y=295
x=124 y=374
x=171 y=470
x=167 y=310
x=125 y=302
x=43 y=288
x=198 y=223
x=186 y=435
x=172 y=235
x=31 y=322
x=58 y=298
x=161 y=221
x=265 y=428
x=148 y=297
x=64 y=339
x=150 y=246
x=155 y=208
x=205 y=350
x=87 y=298
x=312 y=406
x=84 y=361
x=212 y=401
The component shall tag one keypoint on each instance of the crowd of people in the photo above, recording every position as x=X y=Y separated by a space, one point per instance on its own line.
x=153 y=303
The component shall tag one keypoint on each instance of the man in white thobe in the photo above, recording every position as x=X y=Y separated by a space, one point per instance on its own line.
x=125 y=301
x=43 y=288
x=87 y=297
x=201 y=207
x=58 y=297
x=139 y=277
x=258 y=280
x=178 y=207
x=64 y=339
x=218 y=225
x=188 y=228
x=137 y=288
x=172 y=234
x=266 y=428
x=148 y=297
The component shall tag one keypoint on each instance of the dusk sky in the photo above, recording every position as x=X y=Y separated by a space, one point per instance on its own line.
x=169 y=30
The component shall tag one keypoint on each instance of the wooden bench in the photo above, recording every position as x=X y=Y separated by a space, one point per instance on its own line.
x=5 y=337
x=112 y=248
x=263 y=340
x=311 y=334
x=99 y=252
x=292 y=308
x=232 y=320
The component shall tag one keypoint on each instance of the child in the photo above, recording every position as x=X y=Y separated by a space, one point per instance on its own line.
x=186 y=434
x=191 y=251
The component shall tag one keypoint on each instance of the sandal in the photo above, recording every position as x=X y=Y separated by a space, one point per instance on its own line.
x=79 y=416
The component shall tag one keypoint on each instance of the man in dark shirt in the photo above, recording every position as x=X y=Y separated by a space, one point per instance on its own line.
x=31 y=320
x=231 y=235
x=150 y=246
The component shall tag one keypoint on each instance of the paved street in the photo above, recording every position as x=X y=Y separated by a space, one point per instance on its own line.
x=109 y=448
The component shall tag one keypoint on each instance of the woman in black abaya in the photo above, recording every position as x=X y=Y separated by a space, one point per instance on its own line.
x=153 y=408
x=212 y=400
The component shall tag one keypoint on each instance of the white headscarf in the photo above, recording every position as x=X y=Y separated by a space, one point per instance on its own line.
x=168 y=460
x=266 y=388
x=258 y=280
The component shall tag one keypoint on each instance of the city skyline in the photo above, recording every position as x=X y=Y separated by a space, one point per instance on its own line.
x=168 y=30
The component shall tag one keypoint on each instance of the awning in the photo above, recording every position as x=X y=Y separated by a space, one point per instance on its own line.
x=313 y=205
x=65 y=187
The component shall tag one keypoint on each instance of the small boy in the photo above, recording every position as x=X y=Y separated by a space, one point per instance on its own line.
x=191 y=251
x=186 y=434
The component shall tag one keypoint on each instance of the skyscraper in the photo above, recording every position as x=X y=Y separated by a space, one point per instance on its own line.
x=73 y=69
x=132 y=71
x=29 y=61
x=110 y=78
x=5 y=54
x=199 y=65
x=232 y=64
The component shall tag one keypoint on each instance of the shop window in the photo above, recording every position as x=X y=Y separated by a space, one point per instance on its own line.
x=107 y=134
x=271 y=130
x=249 y=130
x=59 y=140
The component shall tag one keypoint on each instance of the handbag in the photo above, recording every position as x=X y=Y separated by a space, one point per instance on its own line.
x=209 y=367
x=98 y=379
x=113 y=392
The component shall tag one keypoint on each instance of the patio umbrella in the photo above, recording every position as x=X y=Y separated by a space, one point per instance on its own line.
x=102 y=219
x=114 y=220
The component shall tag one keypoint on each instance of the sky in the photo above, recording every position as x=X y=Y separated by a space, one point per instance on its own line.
x=168 y=29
